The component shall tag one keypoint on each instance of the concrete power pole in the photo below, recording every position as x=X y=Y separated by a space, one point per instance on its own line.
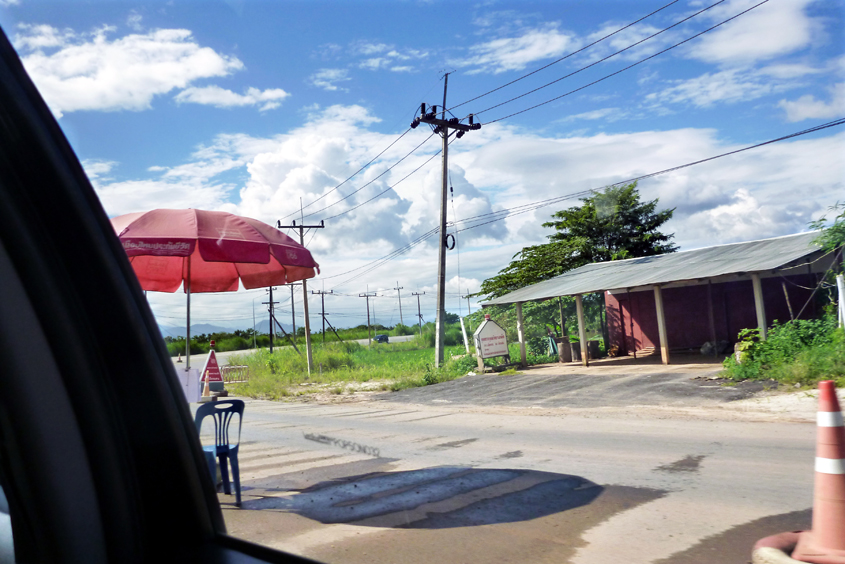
x=469 y=311
x=270 y=307
x=399 y=293
x=442 y=126
x=419 y=312
x=302 y=229
x=368 y=296
x=322 y=294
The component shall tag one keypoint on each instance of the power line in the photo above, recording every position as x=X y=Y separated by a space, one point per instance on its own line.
x=531 y=206
x=546 y=102
x=371 y=161
x=389 y=188
x=582 y=49
x=371 y=181
x=543 y=203
x=614 y=73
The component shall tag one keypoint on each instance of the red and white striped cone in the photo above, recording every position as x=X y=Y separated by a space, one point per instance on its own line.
x=825 y=544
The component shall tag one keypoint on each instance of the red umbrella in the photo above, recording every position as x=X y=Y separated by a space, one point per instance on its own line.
x=210 y=252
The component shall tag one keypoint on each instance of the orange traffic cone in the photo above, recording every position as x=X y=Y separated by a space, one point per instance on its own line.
x=825 y=544
x=205 y=391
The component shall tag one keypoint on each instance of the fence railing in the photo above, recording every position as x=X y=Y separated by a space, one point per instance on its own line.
x=235 y=374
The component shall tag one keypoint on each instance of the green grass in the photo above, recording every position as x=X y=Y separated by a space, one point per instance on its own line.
x=393 y=366
x=801 y=352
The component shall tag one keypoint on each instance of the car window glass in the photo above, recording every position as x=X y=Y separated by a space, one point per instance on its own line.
x=7 y=544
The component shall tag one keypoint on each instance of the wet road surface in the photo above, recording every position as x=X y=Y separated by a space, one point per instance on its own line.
x=400 y=482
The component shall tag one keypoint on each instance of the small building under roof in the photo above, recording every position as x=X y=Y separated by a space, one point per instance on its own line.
x=682 y=300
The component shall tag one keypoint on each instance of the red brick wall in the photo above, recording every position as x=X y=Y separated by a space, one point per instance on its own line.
x=688 y=317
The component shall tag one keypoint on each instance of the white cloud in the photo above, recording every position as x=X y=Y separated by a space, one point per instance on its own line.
x=515 y=53
x=728 y=86
x=119 y=198
x=134 y=21
x=770 y=191
x=41 y=36
x=96 y=168
x=374 y=63
x=808 y=107
x=5 y=3
x=387 y=57
x=222 y=98
x=771 y=30
x=624 y=39
x=327 y=79
x=92 y=72
x=606 y=114
x=366 y=48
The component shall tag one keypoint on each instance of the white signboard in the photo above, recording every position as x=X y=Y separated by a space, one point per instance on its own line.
x=490 y=340
x=190 y=380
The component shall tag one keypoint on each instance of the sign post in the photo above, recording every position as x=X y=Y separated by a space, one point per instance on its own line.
x=490 y=341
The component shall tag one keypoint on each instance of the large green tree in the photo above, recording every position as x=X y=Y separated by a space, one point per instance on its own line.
x=609 y=225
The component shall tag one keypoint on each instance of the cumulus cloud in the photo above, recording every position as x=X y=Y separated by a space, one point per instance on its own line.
x=734 y=85
x=134 y=21
x=770 y=191
x=387 y=57
x=89 y=71
x=771 y=30
x=516 y=53
x=328 y=79
x=606 y=114
x=97 y=168
x=809 y=107
x=223 y=98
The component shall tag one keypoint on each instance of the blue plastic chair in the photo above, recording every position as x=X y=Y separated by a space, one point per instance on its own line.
x=222 y=412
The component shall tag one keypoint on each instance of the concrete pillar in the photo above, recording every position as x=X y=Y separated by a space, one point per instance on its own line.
x=520 y=331
x=661 y=325
x=759 y=305
x=582 y=330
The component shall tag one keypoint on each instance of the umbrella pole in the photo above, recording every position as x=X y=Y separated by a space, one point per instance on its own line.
x=188 y=329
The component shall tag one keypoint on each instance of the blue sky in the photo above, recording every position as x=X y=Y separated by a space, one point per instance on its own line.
x=250 y=106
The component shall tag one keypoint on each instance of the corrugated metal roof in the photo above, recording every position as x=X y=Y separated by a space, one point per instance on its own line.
x=709 y=262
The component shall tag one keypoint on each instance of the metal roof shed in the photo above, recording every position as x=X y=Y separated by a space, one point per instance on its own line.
x=752 y=260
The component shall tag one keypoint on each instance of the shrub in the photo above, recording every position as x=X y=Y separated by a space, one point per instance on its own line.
x=799 y=351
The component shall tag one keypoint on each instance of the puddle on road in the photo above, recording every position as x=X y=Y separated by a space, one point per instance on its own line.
x=734 y=545
x=690 y=463
x=452 y=444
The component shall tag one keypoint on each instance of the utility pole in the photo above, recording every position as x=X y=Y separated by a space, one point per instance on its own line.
x=292 y=310
x=442 y=126
x=302 y=229
x=419 y=312
x=398 y=288
x=368 y=295
x=469 y=311
x=322 y=294
x=270 y=305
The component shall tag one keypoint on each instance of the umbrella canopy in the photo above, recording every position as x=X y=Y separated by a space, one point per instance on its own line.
x=210 y=252
x=216 y=248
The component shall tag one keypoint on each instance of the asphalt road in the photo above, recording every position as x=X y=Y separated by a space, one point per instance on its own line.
x=417 y=480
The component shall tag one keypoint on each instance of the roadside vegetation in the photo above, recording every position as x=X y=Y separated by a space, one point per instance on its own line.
x=800 y=352
x=348 y=367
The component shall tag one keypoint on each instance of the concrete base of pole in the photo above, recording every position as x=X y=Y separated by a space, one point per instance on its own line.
x=775 y=549
x=780 y=549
